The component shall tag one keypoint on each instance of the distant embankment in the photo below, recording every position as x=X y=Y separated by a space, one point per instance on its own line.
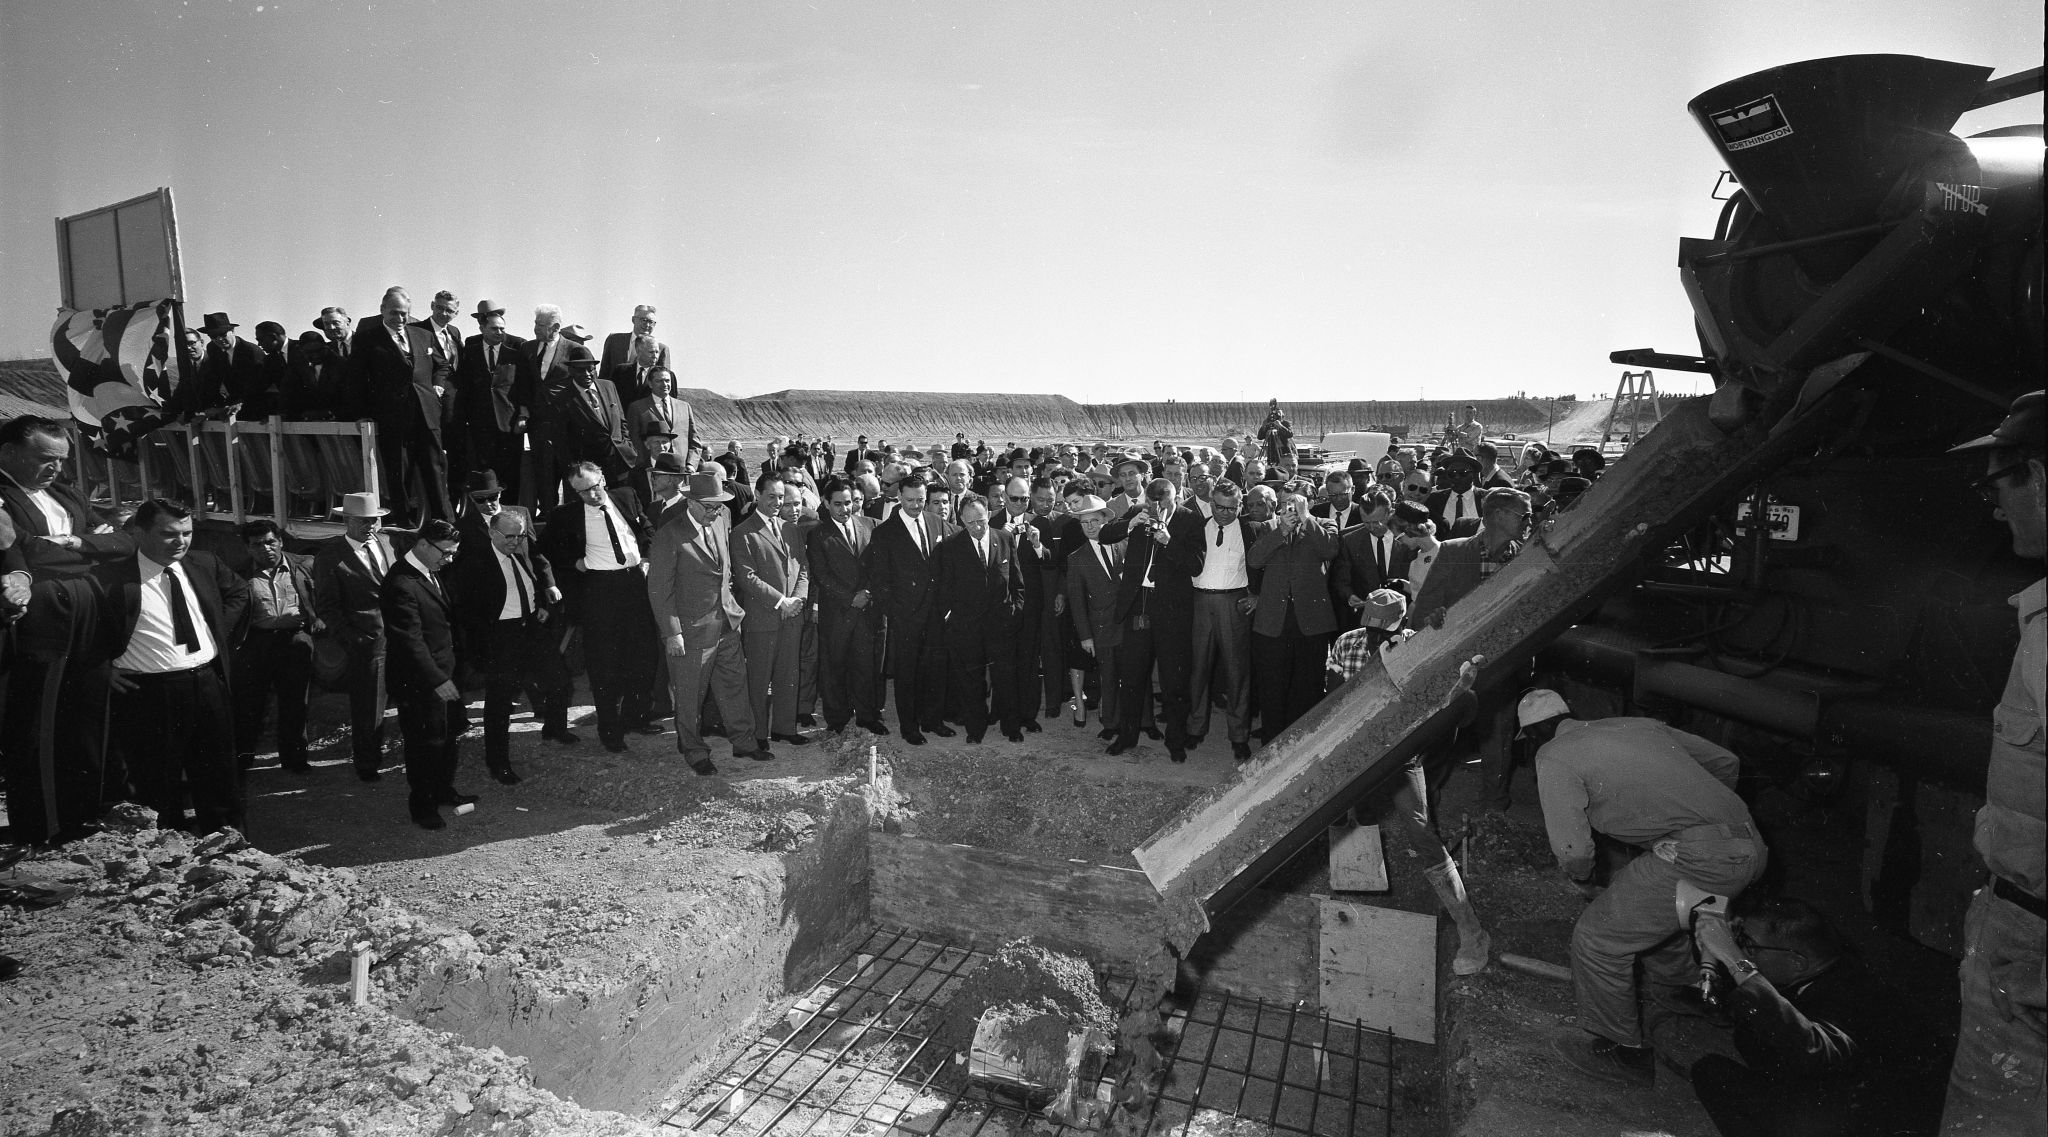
x=924 y=417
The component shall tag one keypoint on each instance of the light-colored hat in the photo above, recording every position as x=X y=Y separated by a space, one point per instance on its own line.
x=363 y=504
x=1090 y=504
x=707 y=489
x=1540 y=705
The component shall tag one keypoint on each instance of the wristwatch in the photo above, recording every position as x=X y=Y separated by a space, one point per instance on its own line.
x=1743 y=969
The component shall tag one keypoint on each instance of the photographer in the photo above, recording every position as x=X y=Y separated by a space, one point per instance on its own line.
x=1277 y=432
x=1825 y=1048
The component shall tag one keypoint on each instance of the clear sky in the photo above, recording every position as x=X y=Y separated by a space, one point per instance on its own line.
x=1109 y=201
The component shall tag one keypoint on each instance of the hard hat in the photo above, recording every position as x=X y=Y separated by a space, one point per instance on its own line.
x=1540 y=705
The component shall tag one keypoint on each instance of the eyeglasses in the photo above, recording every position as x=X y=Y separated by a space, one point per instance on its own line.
x=1015 y=497
x=1987 y=486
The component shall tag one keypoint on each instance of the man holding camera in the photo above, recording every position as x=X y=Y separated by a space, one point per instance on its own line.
x=1825 y=1052
x=1155 y=606
x=1277 y=433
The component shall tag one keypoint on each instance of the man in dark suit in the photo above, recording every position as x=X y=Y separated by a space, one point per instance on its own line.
x=1233 y=466
x=902 y=569
x=1094 y=574
x=348 y=584
x=1220 y=658
x=1058 y=534
x=226 y=369
x=52 y=736
x=170 y=617
x=1369 y=558
x=1462 y=562
x=419 y=627
x=262 y=392
x=699 y=621
x=980 y=606
x=1454 y=504
x=661 y=404
x=318 y=385
x=545 y=377
x=1339 y=506
x=774 y=588
x=597 y=546
x=849 y=675
x=491 y=402
x=638 y=351
x=274 y=658
x=1294 y=620
x=594 y=420
x=1155 y=606
x=502 y=590
x=1013 y=515
x=408 y=380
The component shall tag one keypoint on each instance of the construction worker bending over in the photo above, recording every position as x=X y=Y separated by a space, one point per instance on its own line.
x=1664 y=791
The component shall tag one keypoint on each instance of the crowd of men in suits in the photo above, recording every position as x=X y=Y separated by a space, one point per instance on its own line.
x=1158 y=587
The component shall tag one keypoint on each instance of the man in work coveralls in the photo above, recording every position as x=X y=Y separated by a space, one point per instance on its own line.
x=1669 y=793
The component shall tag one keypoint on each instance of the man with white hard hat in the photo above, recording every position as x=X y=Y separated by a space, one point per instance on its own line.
x=1670 y=794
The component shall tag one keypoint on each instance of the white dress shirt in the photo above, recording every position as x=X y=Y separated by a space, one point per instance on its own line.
x=55 y=517
x=1222 y=565
x=597 y=544
x=154 y=648
x=515 y=575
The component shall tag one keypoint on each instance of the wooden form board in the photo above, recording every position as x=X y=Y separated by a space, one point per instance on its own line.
x=1379 y=968
x=1358 y=859
x=984 y=898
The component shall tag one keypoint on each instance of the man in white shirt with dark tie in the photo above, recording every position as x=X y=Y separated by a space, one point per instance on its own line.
x=503 y=592
x=168 y=613
x=594 y=543
x=1223 y=624
x=849 y=682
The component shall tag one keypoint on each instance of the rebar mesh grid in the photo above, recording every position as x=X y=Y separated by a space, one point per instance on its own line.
x=854 y=1058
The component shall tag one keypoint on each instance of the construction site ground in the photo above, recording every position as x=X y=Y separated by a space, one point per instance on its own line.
x=580 y=877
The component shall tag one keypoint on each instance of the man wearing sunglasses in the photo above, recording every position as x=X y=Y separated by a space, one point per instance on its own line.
x=2002 y=1048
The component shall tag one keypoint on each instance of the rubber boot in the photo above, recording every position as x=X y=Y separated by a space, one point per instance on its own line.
x=1474 y=945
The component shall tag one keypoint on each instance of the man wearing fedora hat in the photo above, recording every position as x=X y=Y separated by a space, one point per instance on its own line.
x=656 y=438
x=227 y=368
x=1455 y=503
x=699 y=620
x=348 y=582
x=400 y=365
x=489 y=399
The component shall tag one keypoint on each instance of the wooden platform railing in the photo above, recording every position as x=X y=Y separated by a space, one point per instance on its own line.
x=234 y=470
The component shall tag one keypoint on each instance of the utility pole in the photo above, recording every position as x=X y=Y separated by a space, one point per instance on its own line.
x=1553 y=420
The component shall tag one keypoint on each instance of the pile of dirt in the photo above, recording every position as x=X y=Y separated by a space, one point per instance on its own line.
x=200 y=986
x=1041 y=997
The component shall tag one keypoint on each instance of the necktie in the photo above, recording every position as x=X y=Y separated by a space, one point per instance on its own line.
x=181 y=612
x=611 y=529
x=490 y=358
x=1219 y=532
x=1460 y=499
x=376 y=561
x=1379 y=556
x=519 y=582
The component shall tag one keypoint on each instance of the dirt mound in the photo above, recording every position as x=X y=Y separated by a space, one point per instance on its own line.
x=202 y=987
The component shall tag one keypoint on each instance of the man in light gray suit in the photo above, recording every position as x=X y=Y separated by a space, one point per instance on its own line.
x=689 y=586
